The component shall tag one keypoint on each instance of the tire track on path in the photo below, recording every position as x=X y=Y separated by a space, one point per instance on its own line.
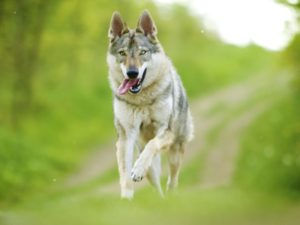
x=220 y=163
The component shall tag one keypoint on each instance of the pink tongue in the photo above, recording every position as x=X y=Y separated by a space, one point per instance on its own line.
x=126 y=85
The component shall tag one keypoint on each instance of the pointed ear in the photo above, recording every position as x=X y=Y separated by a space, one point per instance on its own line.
x=146 y=24
x=116 y=26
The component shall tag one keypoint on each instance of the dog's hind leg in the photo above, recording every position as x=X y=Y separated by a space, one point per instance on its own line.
x=154 y=173
x=175 y=155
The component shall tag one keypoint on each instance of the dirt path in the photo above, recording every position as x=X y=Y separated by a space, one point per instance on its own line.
x=220 y=162
x=99 y=162
x=209 y=113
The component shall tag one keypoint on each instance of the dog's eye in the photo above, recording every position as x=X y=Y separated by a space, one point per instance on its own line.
x=143 y=52
x=122 y=53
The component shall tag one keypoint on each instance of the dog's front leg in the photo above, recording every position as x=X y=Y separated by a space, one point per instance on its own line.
x=162 y=141
x=125 y=151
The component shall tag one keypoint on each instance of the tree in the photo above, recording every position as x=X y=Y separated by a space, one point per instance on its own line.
x=291 y=54
x=21 y=27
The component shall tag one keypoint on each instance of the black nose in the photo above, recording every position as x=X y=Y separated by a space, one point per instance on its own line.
x=132 y=73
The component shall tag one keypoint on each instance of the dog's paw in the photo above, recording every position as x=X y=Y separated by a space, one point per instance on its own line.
x=127 y=194
x=138 y=172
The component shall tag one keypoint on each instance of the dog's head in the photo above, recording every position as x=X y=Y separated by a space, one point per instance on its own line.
x=132 y=50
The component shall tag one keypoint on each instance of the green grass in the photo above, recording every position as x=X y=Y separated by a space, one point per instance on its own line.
x=270 y=156
x=194 y=206
x=53 y=139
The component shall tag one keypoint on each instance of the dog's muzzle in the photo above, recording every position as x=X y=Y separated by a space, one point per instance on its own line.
x=133 y=85
x=137 y=88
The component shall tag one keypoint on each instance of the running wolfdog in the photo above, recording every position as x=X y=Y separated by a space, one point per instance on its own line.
x=150 y=105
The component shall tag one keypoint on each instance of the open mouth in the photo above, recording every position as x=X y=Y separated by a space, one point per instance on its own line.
x=132 y=85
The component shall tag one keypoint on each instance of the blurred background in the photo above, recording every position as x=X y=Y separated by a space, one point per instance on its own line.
x=239 y=61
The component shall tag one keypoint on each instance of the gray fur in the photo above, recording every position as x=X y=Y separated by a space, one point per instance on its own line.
x=157 y=118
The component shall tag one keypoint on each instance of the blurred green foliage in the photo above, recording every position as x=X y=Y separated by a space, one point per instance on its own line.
x=291 y=55
x=291 y=58
x=270 y=156
x=54 y=96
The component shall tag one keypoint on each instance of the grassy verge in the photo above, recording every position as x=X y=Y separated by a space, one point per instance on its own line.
x=270 y=156
x=218 y=206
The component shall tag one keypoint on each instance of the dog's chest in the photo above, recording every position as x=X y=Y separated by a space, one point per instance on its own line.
x=148 y=119
x=151 y=122
x=148 y=130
